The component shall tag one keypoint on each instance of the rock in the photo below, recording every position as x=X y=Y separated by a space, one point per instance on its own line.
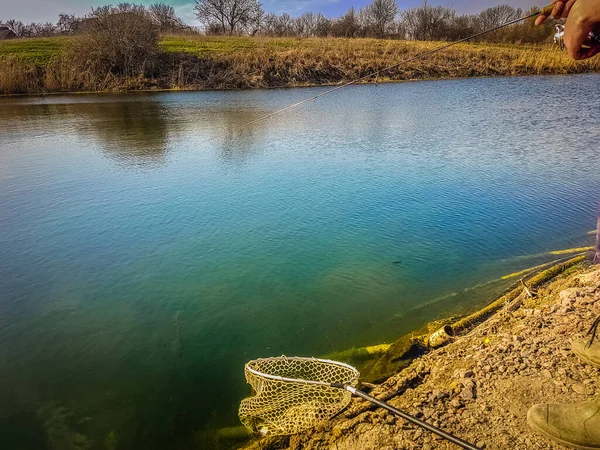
x=468 y=393
x=581 y=389
x=592 y=278
x=567 y=296
x=456 y=403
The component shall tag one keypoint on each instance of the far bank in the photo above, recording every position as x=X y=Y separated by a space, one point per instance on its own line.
x=30 y=66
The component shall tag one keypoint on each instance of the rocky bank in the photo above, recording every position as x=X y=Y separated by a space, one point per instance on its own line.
x=480 y=386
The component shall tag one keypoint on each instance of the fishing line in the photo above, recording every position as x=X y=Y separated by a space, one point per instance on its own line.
x=546 y=11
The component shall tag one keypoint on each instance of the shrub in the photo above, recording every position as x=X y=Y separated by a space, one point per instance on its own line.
x=119 y=41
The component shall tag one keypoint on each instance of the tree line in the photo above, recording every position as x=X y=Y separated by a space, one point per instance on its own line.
x=379 y=19
x=160 y=16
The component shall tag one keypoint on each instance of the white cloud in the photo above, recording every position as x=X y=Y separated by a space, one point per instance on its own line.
x=187 y=14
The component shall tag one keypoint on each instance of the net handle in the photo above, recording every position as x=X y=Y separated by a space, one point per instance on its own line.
x=294 y=380
x=435 y=430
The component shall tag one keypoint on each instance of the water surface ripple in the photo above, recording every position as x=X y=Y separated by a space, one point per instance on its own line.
x=149 y=247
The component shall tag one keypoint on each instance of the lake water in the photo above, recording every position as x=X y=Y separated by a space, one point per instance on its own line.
x=149 y=247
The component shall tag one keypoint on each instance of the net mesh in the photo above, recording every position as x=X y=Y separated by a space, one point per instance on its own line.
x=280 y=407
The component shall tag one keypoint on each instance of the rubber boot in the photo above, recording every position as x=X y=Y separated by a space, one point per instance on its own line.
x=575 y=426
x=588 y=348
x=586 y=352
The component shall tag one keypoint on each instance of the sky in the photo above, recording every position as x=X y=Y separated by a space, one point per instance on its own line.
x=48 y=10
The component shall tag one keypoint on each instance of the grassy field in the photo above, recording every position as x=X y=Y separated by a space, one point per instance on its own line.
x=35 y=51
x=200 y=62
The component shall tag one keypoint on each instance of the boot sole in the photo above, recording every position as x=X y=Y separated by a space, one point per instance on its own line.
x=585 y=358
x=553 y=438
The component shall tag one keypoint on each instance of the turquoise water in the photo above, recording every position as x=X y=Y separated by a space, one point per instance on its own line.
x=149 y=247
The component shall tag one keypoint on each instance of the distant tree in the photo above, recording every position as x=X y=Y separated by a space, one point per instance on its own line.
x=399 y=30
x=46 y=29
x=498 y=15
x=381 y=15
x=347 y=25
x=165 y=18
x=306 y=24
x=232 y=15
x=284 y=25
x=322 y=26
x=67 y=23
x=528 y=32
x=460 y=27
x=428 y=22
x=268 y=24
x=17 y=27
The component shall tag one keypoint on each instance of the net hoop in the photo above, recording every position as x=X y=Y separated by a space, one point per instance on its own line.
x=258 y=373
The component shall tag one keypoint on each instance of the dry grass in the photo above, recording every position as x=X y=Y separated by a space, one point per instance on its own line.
x=200 y=62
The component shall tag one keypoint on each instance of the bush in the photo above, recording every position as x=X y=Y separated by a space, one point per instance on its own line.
x=120 y=41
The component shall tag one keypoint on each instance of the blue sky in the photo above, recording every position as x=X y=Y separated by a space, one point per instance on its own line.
x=48 y=10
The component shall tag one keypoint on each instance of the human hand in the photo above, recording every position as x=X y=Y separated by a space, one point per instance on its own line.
x=561 y=9
x=583 y=19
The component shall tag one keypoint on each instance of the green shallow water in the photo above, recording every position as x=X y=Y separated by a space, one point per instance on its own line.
x=149 y=247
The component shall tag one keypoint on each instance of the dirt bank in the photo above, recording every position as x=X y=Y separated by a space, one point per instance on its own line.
x=480 y=386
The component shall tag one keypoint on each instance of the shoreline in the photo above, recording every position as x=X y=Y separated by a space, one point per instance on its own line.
x=480 y=386
x=284 y=88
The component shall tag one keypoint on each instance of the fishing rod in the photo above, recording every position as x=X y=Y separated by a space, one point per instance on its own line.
x=546 y=11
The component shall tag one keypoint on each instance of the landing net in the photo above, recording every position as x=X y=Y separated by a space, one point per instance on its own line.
x=294 y=394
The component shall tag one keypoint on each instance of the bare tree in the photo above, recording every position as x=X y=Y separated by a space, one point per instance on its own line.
x=268 y=24
x=285 y=25
x=381 y=15
x=17 y=27
x=305 y=25
x=67 y=23
x=165 y=18
x=322 y=26
x=347 y=25
x=120 y=40
x=427 y=22
x=498 y=15
x=46 y=29
x=232 y=15
x=461 y=27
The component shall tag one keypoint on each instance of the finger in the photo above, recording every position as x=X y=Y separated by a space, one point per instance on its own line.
x=558 y=9
x=541 y=19
x=588 y=52
x=575 y=37
x=567 y=8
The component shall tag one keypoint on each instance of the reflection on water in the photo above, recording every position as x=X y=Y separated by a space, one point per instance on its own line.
x=151 y=246
x=239 y=136
x=137 y=133
x=131 y=133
